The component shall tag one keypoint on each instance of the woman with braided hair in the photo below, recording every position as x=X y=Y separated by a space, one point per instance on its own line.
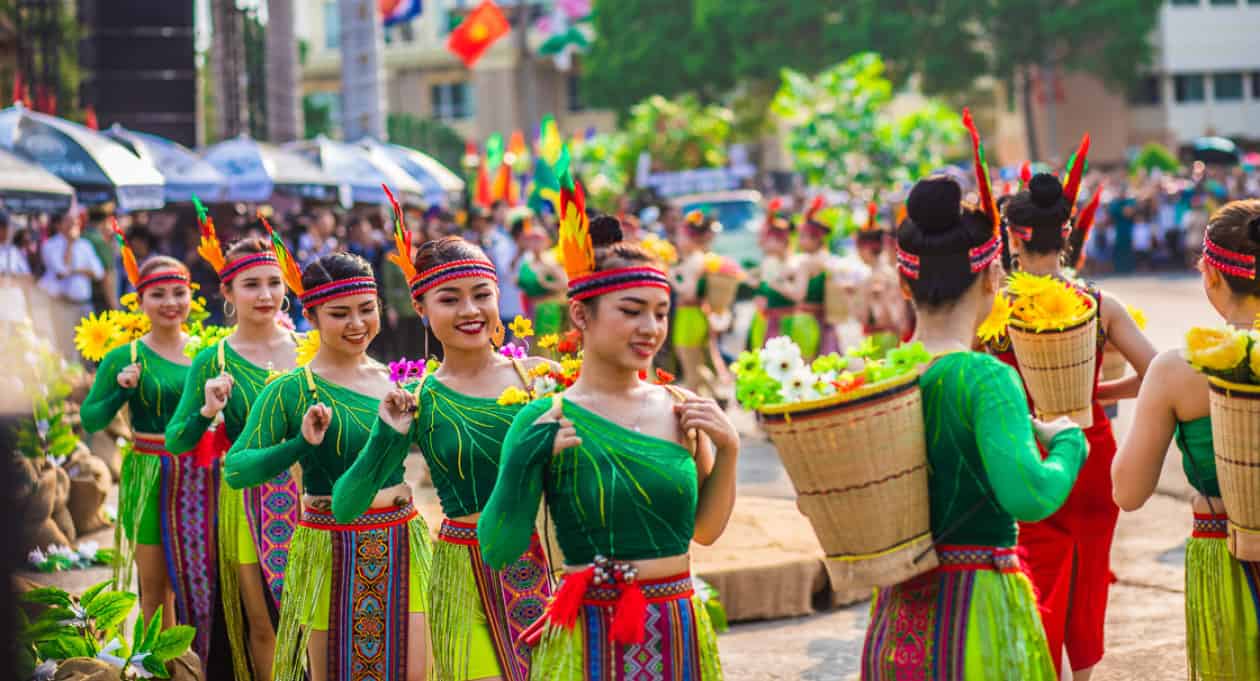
x=631 y=472
x=355 y=591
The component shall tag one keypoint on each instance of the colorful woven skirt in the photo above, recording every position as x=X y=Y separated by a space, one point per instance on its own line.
x=974 y=617
x=770 y=323
x=360 y=581
x=138 y=499
x=690 y=327
x=1222 y=636
x=678 y=642
x=478 y=614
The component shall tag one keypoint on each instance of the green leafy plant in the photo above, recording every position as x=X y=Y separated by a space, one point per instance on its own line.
x=57 y=558
x=1154 y=156
x=91 y=625
x=202 y=336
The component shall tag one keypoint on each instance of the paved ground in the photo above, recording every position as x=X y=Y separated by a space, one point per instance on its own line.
x=1145 y=634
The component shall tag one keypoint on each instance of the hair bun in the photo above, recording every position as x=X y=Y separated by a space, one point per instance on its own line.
x=935 y=204
x=605 y=231
x=1045 y=190
x=1253 y=230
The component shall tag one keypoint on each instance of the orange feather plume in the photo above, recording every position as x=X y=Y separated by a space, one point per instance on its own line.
x=288 y=266
x=575 y=230
x=209 y=248
x=1085 y=224
x=130 y=266
x=402 y=239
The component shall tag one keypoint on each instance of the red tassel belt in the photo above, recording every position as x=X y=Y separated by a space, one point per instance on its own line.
x=149 y=445
x=456 y=532
x=1210 y=526
x=375 y=519
x=628 y=600
x=955 y=558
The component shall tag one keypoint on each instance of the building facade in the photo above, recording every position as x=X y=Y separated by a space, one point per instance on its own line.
x=510 y=88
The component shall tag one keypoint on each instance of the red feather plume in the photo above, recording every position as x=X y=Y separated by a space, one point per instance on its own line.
x=987 y=203
x=872 y=211
x=1085 y=224
x=1025 y=173
x=814 y=206
x=1073 y=186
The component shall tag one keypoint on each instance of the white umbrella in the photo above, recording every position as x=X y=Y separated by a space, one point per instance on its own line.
x=186 y=173
x=28 y=188
x=256 y=170
x=98 y=168
x=362 y=170
x=441 y=186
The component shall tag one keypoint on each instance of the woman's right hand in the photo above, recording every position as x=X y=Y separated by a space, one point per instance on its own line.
x=1047 y=430
x=129 y=377
x=566 y=436
x=218 y=391
x=315 y=424
x=397 y=409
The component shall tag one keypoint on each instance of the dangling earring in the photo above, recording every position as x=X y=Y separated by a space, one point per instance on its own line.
x=424 y=323
x=496 y=338
x=229 y=310
x=285 y=305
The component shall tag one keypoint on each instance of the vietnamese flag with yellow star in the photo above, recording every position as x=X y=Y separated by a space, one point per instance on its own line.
x=479 y=30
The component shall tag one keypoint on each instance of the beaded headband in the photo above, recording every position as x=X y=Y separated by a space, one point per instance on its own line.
x=162 y=277
x=907 y=264
x=318 y=295
x=1230 y=262
x=437 y=275
x=234 y=268
x=608 y=281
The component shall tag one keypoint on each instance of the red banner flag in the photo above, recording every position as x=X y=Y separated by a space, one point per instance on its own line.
x=479 y=30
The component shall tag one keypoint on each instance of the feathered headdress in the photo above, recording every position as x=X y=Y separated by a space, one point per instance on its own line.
x=575 y=229
x=772 y=211
x=130 y=266
x=1075 y=170
x=981 y=256
x=288 y=266
x=209 y=249
x=1025 y=174
x=402 y=239
x=872 y=214
x=1085 y=225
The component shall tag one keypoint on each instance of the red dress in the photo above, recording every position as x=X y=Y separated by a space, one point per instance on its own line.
x=1068 y=555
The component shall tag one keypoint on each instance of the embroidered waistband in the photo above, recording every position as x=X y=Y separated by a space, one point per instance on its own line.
x=965 y=558
x=150 y=445
x=654 y=590
x=1210 y=526
x=609 y=584
x=455 y=532
x=375 y=519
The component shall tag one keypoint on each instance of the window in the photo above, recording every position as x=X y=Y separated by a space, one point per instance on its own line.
x=452 y=101
x=1224 y=3
x=332 y=25
x=1188 y=88
x=573 y=93
x=1255 y=85
x=1185 y=3
x=1146 y=91
x=1227 y=87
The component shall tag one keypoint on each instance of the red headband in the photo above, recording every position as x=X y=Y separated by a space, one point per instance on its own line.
x=437 y=275
x=234 y=268
x=1230 y=262
x=980 y=257
x=599 y=283
x=162 y=277
x=318 y=295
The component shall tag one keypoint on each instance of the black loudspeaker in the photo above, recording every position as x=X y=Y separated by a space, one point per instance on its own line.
x=139 y=62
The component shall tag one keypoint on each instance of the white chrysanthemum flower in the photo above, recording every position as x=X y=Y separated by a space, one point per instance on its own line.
x=543 y=386
x=46 y=671
x=798 y=386
x=61 y=551
x=36 y=557
x=88 y=550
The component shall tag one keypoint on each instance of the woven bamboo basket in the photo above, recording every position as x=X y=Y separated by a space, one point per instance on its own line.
x=859 y=466
x=1236 y=438
x=720 y=290
x=838 y=299
x=1058 y=368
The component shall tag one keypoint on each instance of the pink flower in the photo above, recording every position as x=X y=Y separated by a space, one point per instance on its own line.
x=406 y=370
x=512 y=351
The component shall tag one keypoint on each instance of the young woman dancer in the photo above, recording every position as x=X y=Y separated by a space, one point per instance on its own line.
x=224 y=382
x=1069 y=553
x=975 y=616
x=632 y=474
x=809 y=273
x=881 y=308
x=173 y=548
x=1222 y=643
x=691 y=319
x=540 y=278
x=355 y=592
x=775 y=305
x=455 y=418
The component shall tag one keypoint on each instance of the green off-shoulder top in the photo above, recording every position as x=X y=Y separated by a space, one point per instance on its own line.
x=461 y=438
x=186 y=427
x=272 y=439
x=621 y=494
x=986 y=471
x=1198 y=455
x=152 y=401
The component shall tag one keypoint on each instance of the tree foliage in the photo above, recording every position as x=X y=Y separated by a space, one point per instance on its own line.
x=843 y=133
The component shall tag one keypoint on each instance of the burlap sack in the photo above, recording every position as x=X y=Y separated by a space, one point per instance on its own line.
x=37 y=499
x=89 y=484
x=186 y=667
x=61 y=509
x=86 y=669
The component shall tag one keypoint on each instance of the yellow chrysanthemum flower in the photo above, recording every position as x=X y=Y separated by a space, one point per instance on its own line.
x=1025 y=285
x=994 y=326
x=94 y=336
x=540 y=371
x=1255 y=356
x=1216 y=349
x=660 y=248
x=1057 y=309
x=570 y=366
x=712 y=263
x=522 y=327
x=513 y=395
x=1139 y=317
x=131 y=325
x=131 y=301
x=549 y=341
x=307 y=348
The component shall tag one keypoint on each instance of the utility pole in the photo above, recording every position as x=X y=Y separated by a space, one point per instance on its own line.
x=284 y=110
x=228 y=62
x=362 y=70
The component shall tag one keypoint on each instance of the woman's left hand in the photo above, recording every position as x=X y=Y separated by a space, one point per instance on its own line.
x=707 y=417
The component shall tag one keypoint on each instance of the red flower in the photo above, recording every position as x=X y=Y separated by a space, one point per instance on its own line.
x=663 y=377
x=642 y=374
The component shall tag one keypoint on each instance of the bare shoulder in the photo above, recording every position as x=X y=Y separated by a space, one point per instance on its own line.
x=533 y=362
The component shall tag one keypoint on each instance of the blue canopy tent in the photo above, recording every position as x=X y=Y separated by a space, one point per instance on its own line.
x=28 y=188
x=257 y=170
x=364 y=172
x=99 y=169
x=186 y=173
x=441 y=186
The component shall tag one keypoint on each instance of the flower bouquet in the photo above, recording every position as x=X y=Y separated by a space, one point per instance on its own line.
x=1231 y=360
x=1053 y=328
x=851 y=436
x=722 y=278
x=544 y=380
